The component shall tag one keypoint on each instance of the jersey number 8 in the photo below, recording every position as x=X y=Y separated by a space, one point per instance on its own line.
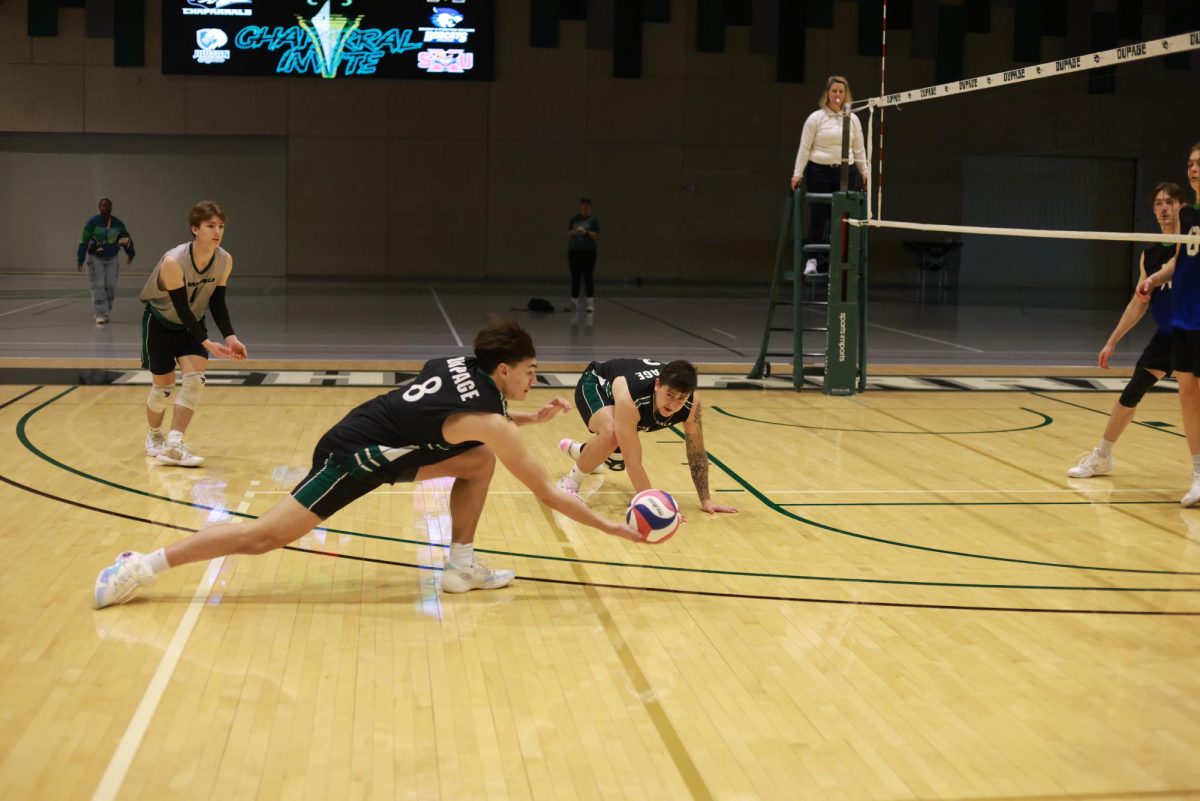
x=418 y=391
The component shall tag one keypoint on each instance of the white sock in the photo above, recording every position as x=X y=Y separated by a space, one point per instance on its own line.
x=157 y=561
x=462 y=554
x=156 y=430
x=175 y=437
x=1105 y=448
x=1196 y=464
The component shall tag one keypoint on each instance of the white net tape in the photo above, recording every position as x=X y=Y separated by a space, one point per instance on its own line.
x=1119 y=55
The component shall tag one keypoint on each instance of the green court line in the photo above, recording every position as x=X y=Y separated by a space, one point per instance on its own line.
x=1151 y=426
x=24 y=439
x=929 y=549
x=1046 y=420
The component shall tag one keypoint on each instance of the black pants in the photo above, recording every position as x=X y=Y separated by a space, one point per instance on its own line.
x=823 y=178
x=582 y=263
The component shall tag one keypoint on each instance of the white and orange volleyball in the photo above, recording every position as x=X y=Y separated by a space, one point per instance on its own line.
x=654 y=514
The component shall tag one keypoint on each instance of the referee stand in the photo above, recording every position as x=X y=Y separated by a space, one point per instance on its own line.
x=837 y=350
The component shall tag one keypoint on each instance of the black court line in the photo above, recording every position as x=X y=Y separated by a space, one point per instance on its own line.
x=721 y=345
x=1105 y=413
x=637 y=588
x=24 y=394
x=29 y=445
x=1045 y=421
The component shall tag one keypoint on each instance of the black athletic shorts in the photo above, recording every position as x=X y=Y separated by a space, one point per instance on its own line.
x=161 y=346
x=1185 y=351
x=589 y=397
x=1157 y=355
x=337 y=481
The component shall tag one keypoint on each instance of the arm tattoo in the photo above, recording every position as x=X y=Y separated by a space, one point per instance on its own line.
x=698 y=459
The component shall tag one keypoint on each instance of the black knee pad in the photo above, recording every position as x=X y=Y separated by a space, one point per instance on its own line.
x=1137 y=387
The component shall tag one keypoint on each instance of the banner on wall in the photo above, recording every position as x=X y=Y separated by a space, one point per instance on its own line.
x=333 y=39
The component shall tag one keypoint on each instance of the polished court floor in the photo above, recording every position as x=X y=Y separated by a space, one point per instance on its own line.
x=913 y=602
x=50 y=317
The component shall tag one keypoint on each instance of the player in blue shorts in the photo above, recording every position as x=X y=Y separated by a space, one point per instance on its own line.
x=1155 y=361
x=1184 y=275
x=451 y=421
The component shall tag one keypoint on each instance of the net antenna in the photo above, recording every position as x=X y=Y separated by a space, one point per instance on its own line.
x=1154 y=48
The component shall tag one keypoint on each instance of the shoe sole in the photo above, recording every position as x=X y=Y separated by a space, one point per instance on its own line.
x=177 y=462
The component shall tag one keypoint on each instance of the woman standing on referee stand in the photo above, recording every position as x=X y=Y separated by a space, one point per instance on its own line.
x=819 y=159
x=1184 y=276
x=1155 y=361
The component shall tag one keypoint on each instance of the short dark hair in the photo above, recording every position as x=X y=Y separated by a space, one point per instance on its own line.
x=1173 y=190
x=104 y=199
x=502 y=341
x=585 y=200
x=679 y=375
x=205 y=210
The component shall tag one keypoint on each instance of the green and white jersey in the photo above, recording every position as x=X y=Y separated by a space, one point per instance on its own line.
x=200 y=283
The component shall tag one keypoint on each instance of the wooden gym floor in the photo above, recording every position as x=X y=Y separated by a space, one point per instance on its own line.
x=914 y=602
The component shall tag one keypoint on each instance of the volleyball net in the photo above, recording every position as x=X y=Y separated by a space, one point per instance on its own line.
x=1031 y=153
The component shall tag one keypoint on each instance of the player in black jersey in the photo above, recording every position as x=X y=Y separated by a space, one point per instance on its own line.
x=1155 y=362
x=618 y=399
x=451 y=421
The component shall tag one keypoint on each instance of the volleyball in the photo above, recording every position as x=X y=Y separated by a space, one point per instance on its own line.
x=654 y=514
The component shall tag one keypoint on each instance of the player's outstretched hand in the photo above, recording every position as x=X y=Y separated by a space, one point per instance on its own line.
x=716 y=508
x=217 y=349
x=552 y=408
x=1105 y=354
x=625 y=532
x=237 y=350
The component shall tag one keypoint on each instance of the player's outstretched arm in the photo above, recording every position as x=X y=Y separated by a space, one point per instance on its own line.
x=625 y=418
x=547 y=412
x=1134 y=311
x=698 y=459
x=505 y=441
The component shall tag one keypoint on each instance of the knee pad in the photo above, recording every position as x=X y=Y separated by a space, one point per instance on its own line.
x=190 y=389
x=159 y=398
x=1137 y=387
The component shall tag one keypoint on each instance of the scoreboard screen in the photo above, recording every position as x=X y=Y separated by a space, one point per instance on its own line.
x=420 y=39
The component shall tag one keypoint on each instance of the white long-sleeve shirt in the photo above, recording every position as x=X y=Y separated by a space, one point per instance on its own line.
x=821 y=142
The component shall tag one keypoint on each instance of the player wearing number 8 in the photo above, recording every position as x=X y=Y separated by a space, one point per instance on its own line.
x=1184 y=275
x=451 y=421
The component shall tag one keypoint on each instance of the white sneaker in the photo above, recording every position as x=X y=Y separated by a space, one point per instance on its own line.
x=177 y=453
x=155 y=443
x=1193 y=495
x=591 y=305
x=573 y=450
x=810 y=267
x=570 y=487
x=122 y=580
x=1092 y=465
x=476 y=577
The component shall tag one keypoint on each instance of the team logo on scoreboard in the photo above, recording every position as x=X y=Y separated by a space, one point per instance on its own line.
x=435 y=59
x=210 y=43
x=327 y=44
x=218 y=8
x=445 y=28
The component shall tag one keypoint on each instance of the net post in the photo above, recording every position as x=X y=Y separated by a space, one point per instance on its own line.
x=844 y=180
x=845 y=269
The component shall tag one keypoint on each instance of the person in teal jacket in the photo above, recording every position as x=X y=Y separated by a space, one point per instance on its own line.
x=104 y=236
